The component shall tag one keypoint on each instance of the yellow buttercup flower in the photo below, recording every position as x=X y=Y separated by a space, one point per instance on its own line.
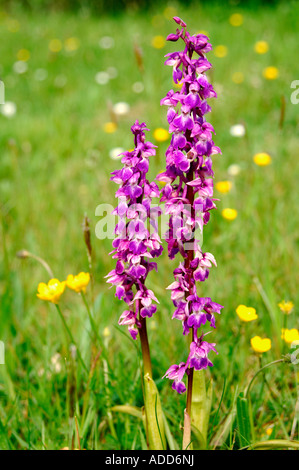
x=260 y=345
x=223 y=186
x=286 y=307
x=78 y=283
x=51 y=291
x=161 y=135
x=23 y=55
x=289 y=336
x=229 y=214
x=220 y=51
x=109 y=127
x=271 y=73
x=158 y=42
x=246 y=313
x=262 y=159
x=261 y=47
x=55 y=45
x=71 y=44
x=236 y=19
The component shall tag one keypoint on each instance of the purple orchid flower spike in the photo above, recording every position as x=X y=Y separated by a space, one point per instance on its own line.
x=135 y=244
x=188 y=194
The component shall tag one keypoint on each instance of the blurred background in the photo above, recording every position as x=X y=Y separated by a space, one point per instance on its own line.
x=77 y=74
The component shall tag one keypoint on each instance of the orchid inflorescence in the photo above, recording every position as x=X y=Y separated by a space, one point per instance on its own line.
x=188 y=194
x=135 y=244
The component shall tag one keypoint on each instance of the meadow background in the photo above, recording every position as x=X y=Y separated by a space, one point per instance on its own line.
x=75 y=81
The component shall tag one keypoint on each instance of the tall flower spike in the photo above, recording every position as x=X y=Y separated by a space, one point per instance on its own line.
x=137 y=241
x=188 y=195
x=136 y=245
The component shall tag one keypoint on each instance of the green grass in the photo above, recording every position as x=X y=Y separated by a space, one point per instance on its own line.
x=55 y=168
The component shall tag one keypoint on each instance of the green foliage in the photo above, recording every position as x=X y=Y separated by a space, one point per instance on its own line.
x=243 y=420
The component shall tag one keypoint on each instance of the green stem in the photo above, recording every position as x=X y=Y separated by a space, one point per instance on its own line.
x=284 y=328
x=147 y=364
x=23 y=254
x=260 y=370
x=273 y=444
x=70 y=336
x=189 y=392
x=91 y=319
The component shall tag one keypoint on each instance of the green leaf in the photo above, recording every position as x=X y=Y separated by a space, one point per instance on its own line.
x=172 y=444
x=201 y=405
x=143 y=440
x=200 y=443
x=128 y=409
x=274 y=444
x=243 y=420
x=223 y=432
x=154 y=415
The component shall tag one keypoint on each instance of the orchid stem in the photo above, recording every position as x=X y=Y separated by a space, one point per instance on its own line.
x=147 y=364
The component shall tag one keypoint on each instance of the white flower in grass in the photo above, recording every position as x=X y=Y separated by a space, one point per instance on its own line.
x=121 y=108
x=106 y=42
x=234 y=170
x=102 y=78
x=60 y=81
x=40 y=75
x=138 y=87
x=8 y=109
x=112 y=72
x=238 y=130
x=20 y=67
x=55 y=360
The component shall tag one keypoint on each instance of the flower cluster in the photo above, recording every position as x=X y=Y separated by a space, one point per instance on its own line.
x=54 y=289
x=137 y=241
x=188 y=193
